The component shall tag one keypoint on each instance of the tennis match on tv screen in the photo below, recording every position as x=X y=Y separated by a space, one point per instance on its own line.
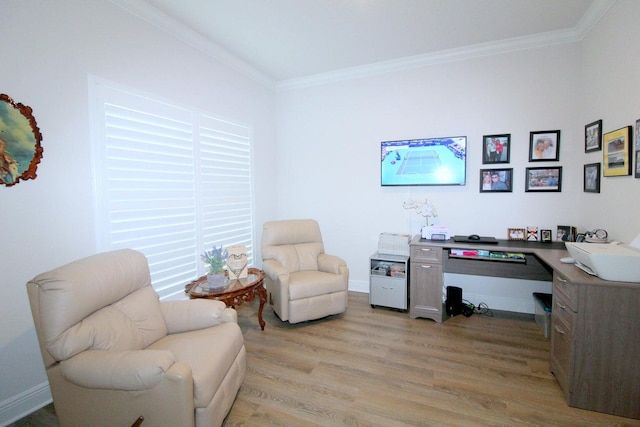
x=430 y=161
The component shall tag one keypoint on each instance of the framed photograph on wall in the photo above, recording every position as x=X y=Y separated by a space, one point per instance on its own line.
x=496 y=148
x=496 y=180
x=544 y=146
x=592 y=178
x=593 y=136
x=543 y=179
x=617 y=152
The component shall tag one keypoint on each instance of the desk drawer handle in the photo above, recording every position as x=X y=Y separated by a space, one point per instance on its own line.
x=560 y=279
x=425 y=249
x=562 y=306
x=558 y=330
x=425 y=266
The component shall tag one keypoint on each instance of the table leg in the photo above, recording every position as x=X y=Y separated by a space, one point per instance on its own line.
x=262 y=293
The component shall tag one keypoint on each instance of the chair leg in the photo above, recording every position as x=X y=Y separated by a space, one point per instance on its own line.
x=138 y=421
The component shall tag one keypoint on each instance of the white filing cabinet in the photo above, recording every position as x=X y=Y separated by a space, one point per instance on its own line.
x=388 y=280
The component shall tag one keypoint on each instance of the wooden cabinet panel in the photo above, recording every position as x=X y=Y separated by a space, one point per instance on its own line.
x=425 y=278
x=562 y=321
x=595 y=346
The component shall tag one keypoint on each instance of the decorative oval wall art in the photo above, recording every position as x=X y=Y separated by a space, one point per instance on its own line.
x=20 y=138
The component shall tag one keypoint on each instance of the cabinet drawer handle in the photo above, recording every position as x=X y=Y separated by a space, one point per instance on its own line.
x=425 y=266
x=558 y=330
x=425 y=249
x=562 y=306
x=560 y=279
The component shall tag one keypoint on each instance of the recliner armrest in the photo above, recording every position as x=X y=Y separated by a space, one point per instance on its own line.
x=273 y=269
x=131 y=370
x=330 y=263
x=189 y=315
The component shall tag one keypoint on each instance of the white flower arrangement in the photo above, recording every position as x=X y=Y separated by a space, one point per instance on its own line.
x=424 y=208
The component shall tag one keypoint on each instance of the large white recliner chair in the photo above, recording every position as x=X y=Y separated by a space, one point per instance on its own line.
x=302 y=281
x=113 y=352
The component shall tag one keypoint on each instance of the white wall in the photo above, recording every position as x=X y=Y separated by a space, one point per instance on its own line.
x=329 y=135
x=610 y=91
x=329 y=138
x=49 y=49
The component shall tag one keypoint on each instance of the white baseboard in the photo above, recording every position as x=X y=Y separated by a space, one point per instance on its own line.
x=359 y=286
x=17 y=407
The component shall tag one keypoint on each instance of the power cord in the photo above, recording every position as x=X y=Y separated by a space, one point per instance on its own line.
x=484 y=309
x=468 y=308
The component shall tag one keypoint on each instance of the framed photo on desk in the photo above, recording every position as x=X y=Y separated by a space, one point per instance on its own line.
x=516 y=233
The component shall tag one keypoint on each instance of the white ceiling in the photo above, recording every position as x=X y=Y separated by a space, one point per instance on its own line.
x=293 y=39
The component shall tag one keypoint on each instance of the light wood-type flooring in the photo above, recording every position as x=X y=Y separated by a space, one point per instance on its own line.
x=378 y=367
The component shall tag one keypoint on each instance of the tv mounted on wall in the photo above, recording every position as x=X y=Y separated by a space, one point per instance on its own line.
x=429 y=161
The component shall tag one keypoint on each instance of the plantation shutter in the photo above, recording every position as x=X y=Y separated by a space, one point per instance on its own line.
x=171 y=182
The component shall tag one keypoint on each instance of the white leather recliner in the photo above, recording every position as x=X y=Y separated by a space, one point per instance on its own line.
x=113 y=352
x=303 y=283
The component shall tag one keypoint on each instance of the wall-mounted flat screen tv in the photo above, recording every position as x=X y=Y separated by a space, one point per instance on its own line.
x=429 y=161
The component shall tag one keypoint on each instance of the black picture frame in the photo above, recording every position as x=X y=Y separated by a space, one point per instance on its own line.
x=592 y=178
x=502 y=184
x=593 y=136
x=543 y=179
x=496 y=148
x=544 y=146
x=545 y=236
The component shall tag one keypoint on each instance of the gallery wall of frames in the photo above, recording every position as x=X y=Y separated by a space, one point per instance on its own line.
x=617 y=147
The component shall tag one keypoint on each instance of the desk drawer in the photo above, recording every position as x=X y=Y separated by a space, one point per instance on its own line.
x=566 y=291
x=426 y=253
x=561 y=311
x=561 y=352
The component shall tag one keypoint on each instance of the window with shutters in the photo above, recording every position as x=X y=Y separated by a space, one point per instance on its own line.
x=170 y=182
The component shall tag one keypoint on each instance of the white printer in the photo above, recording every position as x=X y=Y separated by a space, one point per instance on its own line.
x=608 y=261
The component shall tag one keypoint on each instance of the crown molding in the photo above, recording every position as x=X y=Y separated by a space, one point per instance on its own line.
x=145 y=11
x=574 y=35
x=439 y=57
x=592 y=17
x=159 y=19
